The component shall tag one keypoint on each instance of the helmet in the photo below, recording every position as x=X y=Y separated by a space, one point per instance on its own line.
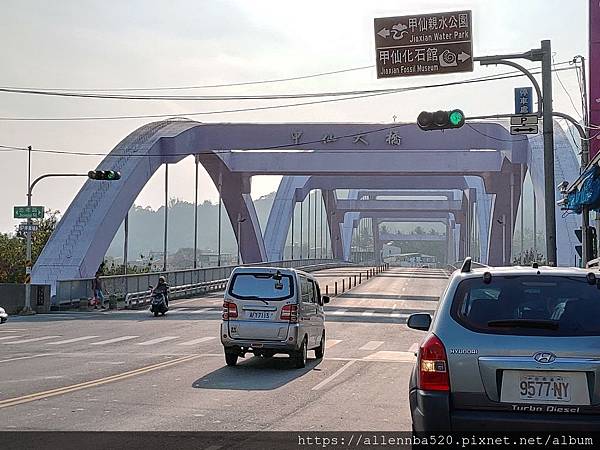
x=161 y=280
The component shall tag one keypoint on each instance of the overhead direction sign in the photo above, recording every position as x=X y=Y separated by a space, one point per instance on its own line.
x=523 y=100
x=28 y=212
x=424 y=44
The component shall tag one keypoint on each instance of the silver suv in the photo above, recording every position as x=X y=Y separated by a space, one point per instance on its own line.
x=270 y=310
x=510 y=349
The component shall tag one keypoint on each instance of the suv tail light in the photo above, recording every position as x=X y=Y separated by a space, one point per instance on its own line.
x=290 y=312
x=229 y=310
x=433 y=365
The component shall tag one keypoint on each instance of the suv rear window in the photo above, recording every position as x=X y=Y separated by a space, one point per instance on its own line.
x=261 y=286
x=529 y=305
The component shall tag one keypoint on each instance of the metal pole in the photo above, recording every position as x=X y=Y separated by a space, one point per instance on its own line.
x=27 y=308
x=219 y=225
x=301 y=227
x=511 y=230
x=521 y=183
x=308 y=228
x=327 y=232
x=548 y=128
x=321 y=227
x=238 y=240
x=166 y=217
x=315 y=225
x=534 y=225
x=196 y=216
x=293 y=214
x=503 y=239
x=125 y=242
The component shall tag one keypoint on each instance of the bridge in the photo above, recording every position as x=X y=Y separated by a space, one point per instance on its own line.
x=483 y=164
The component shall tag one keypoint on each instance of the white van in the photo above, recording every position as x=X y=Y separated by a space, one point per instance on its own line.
x=269 y=310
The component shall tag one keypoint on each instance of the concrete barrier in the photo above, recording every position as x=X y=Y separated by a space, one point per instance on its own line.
x=12 y=297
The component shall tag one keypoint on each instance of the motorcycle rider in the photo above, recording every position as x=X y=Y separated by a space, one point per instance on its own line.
x=162 y=288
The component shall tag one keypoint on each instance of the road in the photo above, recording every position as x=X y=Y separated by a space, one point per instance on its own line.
x=124 y=370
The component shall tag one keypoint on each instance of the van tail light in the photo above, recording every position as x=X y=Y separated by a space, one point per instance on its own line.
x=229 y=310
x=290 y=312
x=433 y=365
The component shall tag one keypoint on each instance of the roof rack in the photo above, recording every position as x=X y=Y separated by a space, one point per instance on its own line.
x=466 y=266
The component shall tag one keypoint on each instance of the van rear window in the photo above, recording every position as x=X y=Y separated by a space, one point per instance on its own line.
x=261 y=286
x=529 y=305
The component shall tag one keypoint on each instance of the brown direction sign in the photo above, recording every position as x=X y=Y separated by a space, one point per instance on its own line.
x=424 y=44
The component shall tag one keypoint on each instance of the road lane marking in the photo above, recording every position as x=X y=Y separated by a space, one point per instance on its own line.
x=372 y=345
x=3 y=338
x=93 y=383
x=198 y=341
x=176 y=309
x=391 y=356
x=331 y=342
x=69 y=341
x=394 y=307
x=111 y=341
x=200 y=311
x=333 y=376
x=27 y=357
x=367 y=313
x=398 y=315
x=339 y=312
x=158 y=340
x=24 y=341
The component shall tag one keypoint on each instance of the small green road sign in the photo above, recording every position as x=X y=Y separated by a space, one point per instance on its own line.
x=29 y=212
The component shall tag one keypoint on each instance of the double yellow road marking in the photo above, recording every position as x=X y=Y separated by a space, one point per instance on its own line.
x=93 y=383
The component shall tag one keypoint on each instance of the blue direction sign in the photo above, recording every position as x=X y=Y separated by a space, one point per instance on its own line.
x=523 y=100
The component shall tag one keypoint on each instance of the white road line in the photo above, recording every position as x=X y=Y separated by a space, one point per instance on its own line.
x=367 y=313
x=68 y=341
x=200 y=311
x=339 y=312
x=394 y=307
x=27 y=357
x=398 y=315
x=24 y=341
x=111 y=341
x=371 y=345
x=157 y=340
x=11 y=331
x=414 y=348
x=333 y=376
x=3 y=338
x=176 y=309
x=198 y=341
x=331 y=342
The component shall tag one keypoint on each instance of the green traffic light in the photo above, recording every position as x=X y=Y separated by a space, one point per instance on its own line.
x=456 y=117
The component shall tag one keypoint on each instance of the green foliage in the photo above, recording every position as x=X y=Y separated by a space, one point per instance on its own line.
x=13 y=248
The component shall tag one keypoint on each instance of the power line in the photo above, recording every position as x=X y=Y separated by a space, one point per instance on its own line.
x=217 y=97
x=567 y=92
x=204 y=86
x=493 y=137
x=259 y=108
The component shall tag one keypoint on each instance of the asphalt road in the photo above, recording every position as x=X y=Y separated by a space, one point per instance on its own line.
x=126 y=370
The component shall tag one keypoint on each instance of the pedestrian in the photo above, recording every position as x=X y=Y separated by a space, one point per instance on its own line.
x=98 y=291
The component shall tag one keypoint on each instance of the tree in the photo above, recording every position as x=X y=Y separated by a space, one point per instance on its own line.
x=13 y=248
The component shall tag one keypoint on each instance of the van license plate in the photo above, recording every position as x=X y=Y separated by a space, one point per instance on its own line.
x=259 y=315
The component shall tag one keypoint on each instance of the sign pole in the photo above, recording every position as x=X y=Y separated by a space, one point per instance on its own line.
x=548 y=128
x=27 y=309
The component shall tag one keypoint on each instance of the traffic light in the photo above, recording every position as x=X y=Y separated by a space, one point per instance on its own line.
x=592 y=243
x=441 y=120
x=108 y=175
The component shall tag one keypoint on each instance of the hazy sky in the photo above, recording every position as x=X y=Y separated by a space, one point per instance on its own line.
x=112 y=44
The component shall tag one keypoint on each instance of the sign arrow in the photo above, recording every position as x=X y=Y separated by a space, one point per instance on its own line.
x=462 y=57
x=384 y=33
x=530 y=129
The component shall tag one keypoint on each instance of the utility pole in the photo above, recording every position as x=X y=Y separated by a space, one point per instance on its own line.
x=166 y=217
x=27 y=309
x=543 y=55
x=196 y=215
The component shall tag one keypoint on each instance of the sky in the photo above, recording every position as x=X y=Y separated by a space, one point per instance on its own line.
x=149 y=43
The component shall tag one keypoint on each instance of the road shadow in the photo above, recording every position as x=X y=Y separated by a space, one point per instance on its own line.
x=255 y=374
x=393 y=297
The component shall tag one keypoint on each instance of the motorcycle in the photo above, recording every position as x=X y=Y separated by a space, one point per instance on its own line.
x=159 y=303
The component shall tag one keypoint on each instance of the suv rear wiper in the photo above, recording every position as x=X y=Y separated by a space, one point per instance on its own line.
x=525 y=323
x=254 y=297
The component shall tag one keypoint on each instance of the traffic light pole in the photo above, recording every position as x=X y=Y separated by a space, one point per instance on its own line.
x=544 y=55
x=27 y=309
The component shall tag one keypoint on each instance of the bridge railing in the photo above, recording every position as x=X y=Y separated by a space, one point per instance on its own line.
x=68 y=291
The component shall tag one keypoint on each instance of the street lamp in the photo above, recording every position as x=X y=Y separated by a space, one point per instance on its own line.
x=239 y=236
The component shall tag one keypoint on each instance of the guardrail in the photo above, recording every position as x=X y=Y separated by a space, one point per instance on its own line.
x=135 y=299
x=70 y=292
